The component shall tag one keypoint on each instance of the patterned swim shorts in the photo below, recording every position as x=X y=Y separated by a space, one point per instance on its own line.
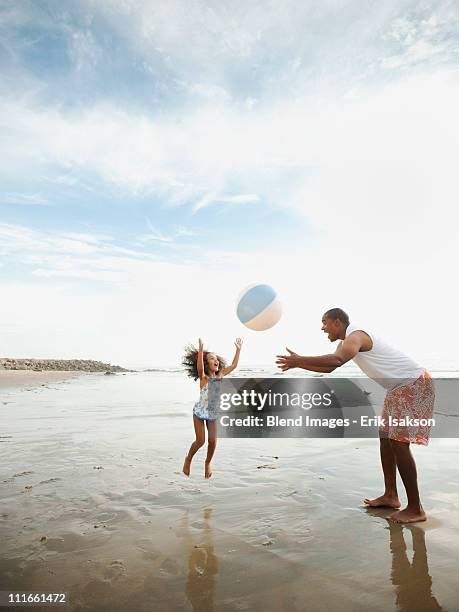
x=412 y=402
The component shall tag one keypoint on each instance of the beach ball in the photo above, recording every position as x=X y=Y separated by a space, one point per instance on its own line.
x=258 y=307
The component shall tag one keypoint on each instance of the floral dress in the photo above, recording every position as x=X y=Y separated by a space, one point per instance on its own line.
x=206 y=408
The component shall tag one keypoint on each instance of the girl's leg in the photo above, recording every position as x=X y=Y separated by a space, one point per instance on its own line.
x=211 y=445
x=199 y=441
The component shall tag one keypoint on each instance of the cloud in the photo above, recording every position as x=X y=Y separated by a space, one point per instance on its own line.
x=184 y=231
x=243 y=197
x=368 y=152
x=24 y=199
x=426 y=36
x=178 y=55
x=69 y=254
x=214 y=198
x=267 y=92
x=155 y=235
x=170 y=239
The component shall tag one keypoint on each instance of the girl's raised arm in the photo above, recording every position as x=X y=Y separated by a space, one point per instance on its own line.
x=233 y=366
x=200 y=362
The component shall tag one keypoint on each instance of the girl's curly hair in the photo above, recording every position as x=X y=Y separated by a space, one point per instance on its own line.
x=190 y=362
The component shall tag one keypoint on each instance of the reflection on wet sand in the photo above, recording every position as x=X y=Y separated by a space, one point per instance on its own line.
x=202 y=565
x=412 y=580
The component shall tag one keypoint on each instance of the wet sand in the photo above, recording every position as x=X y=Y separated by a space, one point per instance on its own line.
x=93 y=503
x=19 y=379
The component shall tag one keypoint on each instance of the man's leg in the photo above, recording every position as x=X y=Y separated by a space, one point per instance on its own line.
x=389 y=466
x=414 y=511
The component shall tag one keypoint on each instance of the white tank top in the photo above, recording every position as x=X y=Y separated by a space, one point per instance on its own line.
x=388 y=366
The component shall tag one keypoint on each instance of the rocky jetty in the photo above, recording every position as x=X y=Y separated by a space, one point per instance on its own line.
x=84 y=365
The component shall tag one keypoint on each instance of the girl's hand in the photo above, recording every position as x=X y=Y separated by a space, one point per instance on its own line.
x=201 y=345
x=238 y=344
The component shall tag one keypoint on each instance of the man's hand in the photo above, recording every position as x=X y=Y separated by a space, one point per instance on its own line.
x=287 y=362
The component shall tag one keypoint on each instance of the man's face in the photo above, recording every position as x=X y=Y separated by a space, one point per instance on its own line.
x=331 y=328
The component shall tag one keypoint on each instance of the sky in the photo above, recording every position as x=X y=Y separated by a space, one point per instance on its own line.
x=158 y=157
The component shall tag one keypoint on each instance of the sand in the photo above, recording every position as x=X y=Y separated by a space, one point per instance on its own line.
x=93 y=503
x=19 y=379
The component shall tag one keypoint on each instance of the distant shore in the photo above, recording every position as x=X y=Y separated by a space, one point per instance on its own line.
x=38 y=365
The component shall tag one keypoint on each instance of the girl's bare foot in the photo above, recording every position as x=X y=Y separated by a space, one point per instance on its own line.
x=383 y=501
x=409 y=516
x=186 y=466
x=208 y=470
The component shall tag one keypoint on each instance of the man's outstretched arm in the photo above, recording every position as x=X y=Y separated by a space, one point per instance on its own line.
x=322 y=363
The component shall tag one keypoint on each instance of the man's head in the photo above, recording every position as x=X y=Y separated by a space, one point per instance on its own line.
x=334 y=324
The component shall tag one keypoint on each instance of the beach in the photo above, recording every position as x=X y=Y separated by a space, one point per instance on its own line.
x=23 y=379
x=94 y=504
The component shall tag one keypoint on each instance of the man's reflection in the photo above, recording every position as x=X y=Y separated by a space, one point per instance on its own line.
x=412 y=580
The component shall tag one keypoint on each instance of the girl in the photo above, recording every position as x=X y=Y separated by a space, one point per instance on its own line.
x=210 y=369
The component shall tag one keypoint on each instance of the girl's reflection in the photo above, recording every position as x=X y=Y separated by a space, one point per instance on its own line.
x=202 y=567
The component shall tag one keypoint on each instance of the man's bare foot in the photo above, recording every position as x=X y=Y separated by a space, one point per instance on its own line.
x=408 y=516
x=208 y=470
x=384 y=501
x=186 y=466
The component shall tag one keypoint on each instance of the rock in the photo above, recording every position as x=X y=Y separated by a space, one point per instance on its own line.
x=40 y=365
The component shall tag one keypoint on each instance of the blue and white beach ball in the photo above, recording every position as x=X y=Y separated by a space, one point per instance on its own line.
x=258 y=307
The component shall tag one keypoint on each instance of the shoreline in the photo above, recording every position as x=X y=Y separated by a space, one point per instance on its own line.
x=20 y=379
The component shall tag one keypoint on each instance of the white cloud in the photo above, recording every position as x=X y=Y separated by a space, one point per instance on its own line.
x=426 y=36
x=68 y=254
x=387 y=150
x=24 y=199
x=184 y=231
x=211 y=92
x=214 y=198
x=243 y=197
x=205 y=201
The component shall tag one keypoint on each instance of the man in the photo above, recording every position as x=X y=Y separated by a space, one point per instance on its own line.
x=410 y=393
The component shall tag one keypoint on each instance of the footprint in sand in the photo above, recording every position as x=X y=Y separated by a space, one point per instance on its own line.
x=49 y=480
x=114 y=570
x=169 y=566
